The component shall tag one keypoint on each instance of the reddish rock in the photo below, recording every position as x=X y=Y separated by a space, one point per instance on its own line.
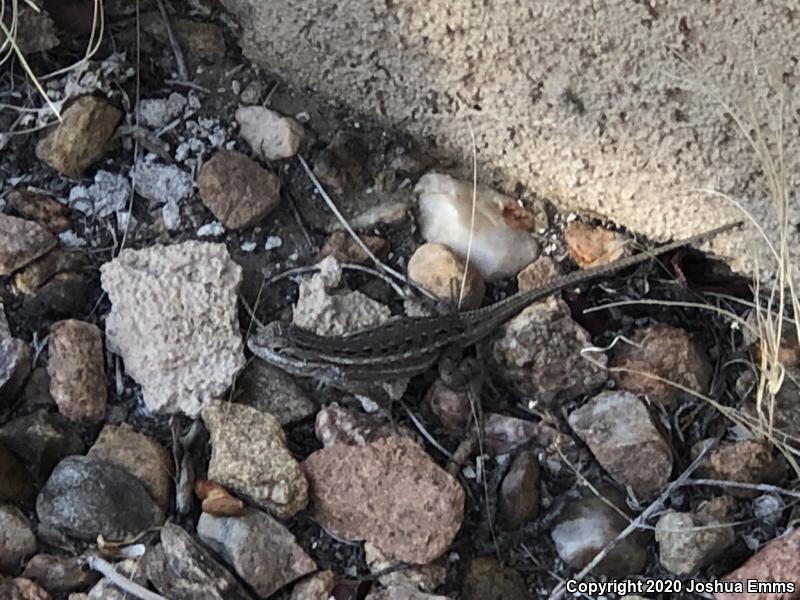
x=441 y=271
x=238 y=190
x=539 y=273
x=665 y=352
x=21 y=242
x=77 y=371
x=451 y=407
x=318 y=586
x=747 y=461
x=344 y=248
x=21 y=588
x=778 y=561
x=503 y=434
x=487 y=579
x=49 y=213
x=81 y=138
x=336 y=424
x=592 y=246
x=388 y=492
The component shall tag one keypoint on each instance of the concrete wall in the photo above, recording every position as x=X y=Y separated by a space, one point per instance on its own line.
x=613 y=107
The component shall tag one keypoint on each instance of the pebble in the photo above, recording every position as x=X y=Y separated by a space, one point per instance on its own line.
x=237 y=190
x=502 y=240
x=40 y=208
x=666 y=352
x=390 y=212
x=341 y=166
x=105 y=590
x=336 y=424
x=157 y=112
x=59 y=574
x=585 y=526
x=66 y=294
x=487 y=579
x=81 y=138
x=82 y=499
x=162 y=184
x=251 y=94
x=271 y=135
x=619 y=431
x=32 y=277
x=15 y=366
x=318 y=586
x=591 y=246
x=538 y=274
x=139 y=455
x=401 y=592
x=213 y=229
x=686 y=543
x=388 y=492
x=274 y=391
x=216 y=500
x=21 y=588
x=258 y=548
x=539 y=353
x=503 y=434
x=77 y=370
x=450 y=406
x=41 y=439
x=786 y=420
x=250 y=458
x=108 y=194
x=15 y=484
x=21 y=242
x=422 y=577
x=180 y=568
x=344 y=248
x=746 y=461
x=35 y=30
x=202 y=41
x=518 y=501
x=440 y=271
x=777 y=561
x=17 y=539
x=177 y=303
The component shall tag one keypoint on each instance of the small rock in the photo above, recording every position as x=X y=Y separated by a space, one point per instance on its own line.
x=36 y=393
x=419 y=577
x=173 y=321
x=338 y=425
x=82 y=136
x=181 y=569
x=593 y=246
x=45 y=211
x=213 y=229
x=85 y=497
x=35 y=31
x=440 y=271
x=587 y=525
x=59 y=573
x=389 y=493
x=318 y=586
x=778 y=561
x=261 y=551
x=540 y=353
x=140 y=456
x=216 y=500
x=249 y=456
x=271 y=135
x=21 y=242
x=519 y=492
x=202 y=42
x=341 y=166
x=538 y=274
x=747 y=461
x=251 y=94
x=66 y=294
x=15 y=366
x=401 y=592
x=162 y=184
x=665 y=352
x=77 y=372
x=487 y=579
x=32 y=277
x=689 y=541
x=238 y=190
x=451 y=407
x=786 y=419
x=15 y=484
x=21 y=588
x=157 y=112
x=108 y=194
x=502 y=240
x=106 y=590
x=391 y=212
x=41 y=439
x=617 y=427
x=17 y=539
x=502 y=434
x=273 y=391
x=345 y=250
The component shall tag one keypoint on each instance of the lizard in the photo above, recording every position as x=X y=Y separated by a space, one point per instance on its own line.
x=408 y=346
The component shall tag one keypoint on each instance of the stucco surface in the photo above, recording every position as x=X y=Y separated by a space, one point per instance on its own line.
x=622 y=109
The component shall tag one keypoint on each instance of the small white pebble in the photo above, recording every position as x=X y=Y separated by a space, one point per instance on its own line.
x=273 y=242
x=248 y=246
x=468 y=472
x=302 y=117
x=70 y=239
x=211 y=229
x=236 y=87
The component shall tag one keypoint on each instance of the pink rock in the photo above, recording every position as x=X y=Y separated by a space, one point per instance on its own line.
x=503 y=434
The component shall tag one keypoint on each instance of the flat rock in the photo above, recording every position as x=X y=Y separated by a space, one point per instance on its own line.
x=503 y=434
x=271 y=135
x=539 y=273
x=81 y=138
x=181 y=569
x=249 y=457
x=745 y=461
x=591 y=246
x=518 y=501
x=41 y=439
x=336 y=424
x=76 y=367
x=665 y=352
x=441 y=271
x=259 y=549
x=778 y=561
x=318 y=586
x=38 y=207
x=238 y=190
x=402 y=592
x=388 y=492
x=344 y=248
x=85 y=497
x=141 y=456
x=487 y=579
x=17 y=539
x=15 y=484
x=21 y=242
x=540 y=353
x=15 y=366
x=21 y=588
x=419 y=577
x=36 y=274
x=66 y=294
x=274 y=391
x=59 y=573
x=619 y=431
x=173 y=321
x=586 y=525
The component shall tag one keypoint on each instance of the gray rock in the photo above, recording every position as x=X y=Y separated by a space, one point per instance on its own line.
x=15 y=484
x=21 y=241
x=15 y=366
x=271 y=390
x=261 y=550
x=59 y=573
x=17 y=539
x=84 y=498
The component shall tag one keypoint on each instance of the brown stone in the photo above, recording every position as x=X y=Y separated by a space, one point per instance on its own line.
x=592 y=246
x=39 y=272
x=440 y=271
x=345 y=249
x=238 y=190
x=451 y=407
x=48 y=213
x=519 y=492
x=539 y=273
x=77 y=371
x=59 y=573
x=487 y=579
x=21 y=588
x=318 y=586
x=81 y=138
x=388 y=492
x=747 y=461
x=21 y=242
